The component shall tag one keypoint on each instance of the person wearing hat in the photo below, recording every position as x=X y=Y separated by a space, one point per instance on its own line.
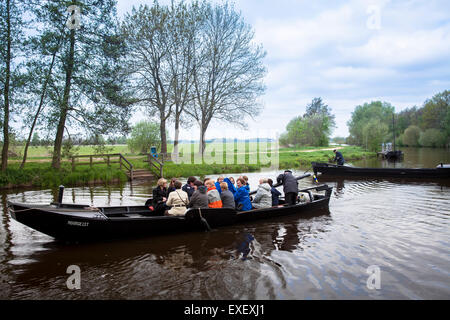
x=339 y=158
x=290 y=187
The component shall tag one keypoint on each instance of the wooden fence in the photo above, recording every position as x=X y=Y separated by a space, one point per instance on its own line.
x=107 y=159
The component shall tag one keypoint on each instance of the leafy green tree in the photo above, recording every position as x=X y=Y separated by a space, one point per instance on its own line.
x=313 y=128
x=11 y=34
x=447 y=125
x=363 y=114
x=374 y=133
x=411 y=136
x=84 y=90
x=143 y=136
x=433 y=138
x=406 y=118
x=36 y=140
x=435 y=111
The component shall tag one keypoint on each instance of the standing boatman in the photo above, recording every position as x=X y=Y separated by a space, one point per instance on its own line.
x=338 y=158
x=290 y=187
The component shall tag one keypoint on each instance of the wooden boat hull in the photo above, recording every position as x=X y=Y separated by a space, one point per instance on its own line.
x=425 y=173
x=83 y=223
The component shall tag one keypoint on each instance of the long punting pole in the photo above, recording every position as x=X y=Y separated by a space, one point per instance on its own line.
x=393 y=129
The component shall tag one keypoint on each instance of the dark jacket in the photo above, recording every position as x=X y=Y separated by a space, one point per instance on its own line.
x=227 y=199
x=199 y=199
x=339 y=158
x=231 y=186
x=289 y=182
x=158 y=195
x=189 y=190
x=275 y=196
x=241 y=196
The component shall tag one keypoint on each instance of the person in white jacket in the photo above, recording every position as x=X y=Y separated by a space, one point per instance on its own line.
x=263 y=197
x=178 y=200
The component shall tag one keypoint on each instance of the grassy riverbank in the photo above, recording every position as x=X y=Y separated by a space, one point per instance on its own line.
x=291 y=158
x=38 y=172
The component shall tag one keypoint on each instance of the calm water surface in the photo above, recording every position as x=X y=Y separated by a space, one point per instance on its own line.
x=400 y=226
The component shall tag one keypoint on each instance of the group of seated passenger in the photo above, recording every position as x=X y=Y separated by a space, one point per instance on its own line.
x=222 y=193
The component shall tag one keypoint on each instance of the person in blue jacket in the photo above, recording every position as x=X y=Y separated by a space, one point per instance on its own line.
x=217 y=184
x=241 y=197
x=246 y=185
x=230 y=184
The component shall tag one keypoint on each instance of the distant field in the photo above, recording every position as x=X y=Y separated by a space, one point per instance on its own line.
x=40 y=152
x=45 y=152
x=240 y=153
x=244 y=158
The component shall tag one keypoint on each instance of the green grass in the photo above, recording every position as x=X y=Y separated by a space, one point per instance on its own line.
x=297 y=159
x=42 y=175
x=41 y=152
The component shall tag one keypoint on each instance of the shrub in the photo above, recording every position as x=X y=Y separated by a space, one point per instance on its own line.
x=433 y=138
x=143 y=136
x=411 y=136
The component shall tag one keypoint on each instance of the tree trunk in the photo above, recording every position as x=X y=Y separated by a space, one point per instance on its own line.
x=202 y=144
x=6 y=90
x=175 y=141
x=162 y=128
x=56 y=162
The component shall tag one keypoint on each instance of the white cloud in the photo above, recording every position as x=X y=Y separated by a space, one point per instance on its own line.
x=326 y=49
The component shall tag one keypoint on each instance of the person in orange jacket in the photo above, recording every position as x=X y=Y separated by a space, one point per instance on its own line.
x=214 y=200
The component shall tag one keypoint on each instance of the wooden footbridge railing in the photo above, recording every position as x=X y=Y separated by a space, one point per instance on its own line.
x=106 y=159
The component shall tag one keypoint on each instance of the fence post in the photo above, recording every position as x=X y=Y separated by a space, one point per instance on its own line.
x=90 y=158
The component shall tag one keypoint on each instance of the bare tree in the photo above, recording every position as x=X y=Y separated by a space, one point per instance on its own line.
x=228 y=69
x=145 y=33
x=183 y=25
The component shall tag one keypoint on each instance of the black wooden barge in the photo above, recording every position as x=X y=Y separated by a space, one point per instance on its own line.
x=77 y=222
x=442 y=171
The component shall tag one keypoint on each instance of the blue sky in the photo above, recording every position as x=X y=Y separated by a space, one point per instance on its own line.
x=347 y=52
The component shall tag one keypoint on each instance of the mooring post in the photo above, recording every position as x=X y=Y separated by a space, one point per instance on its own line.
x=60 y=194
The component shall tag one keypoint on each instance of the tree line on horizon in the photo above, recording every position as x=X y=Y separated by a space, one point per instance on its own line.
x=374 y=123
x=71 y=66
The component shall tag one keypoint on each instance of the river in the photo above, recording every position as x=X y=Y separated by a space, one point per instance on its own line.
x=394 y=229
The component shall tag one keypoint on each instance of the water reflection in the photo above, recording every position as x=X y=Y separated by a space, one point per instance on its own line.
x=244 y=246
x=413 y=158
x=185 y=255
x=5 y=252
x=400 y=225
